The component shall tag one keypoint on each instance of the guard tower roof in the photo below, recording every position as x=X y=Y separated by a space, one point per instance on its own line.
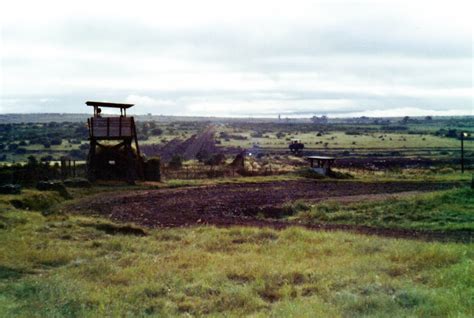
x=105 y=104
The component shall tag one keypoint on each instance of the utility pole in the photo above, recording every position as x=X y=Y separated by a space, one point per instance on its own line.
x=463 y=134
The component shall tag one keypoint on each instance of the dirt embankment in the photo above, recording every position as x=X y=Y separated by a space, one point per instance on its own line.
x=244 y=204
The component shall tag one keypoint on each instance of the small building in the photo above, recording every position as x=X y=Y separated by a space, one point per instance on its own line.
x=321 y=164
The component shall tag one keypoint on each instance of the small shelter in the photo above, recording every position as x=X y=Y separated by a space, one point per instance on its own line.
x=111 y=154
x=321 y=164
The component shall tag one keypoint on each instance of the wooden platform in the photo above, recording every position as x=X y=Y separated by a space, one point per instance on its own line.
x=111 y=127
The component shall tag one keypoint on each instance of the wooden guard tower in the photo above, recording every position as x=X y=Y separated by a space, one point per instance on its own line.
x=111 y=155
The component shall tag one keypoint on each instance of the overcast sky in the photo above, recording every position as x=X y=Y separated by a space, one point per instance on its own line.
x=239 y=58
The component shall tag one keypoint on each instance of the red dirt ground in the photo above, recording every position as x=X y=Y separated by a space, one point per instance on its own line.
x=240 y=204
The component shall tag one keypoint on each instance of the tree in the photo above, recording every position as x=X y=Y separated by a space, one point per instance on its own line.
x=452 y=133
x=319 y=120
x=216 y=160
x=12 y=147
x=20 y=151
x=56 y=141
x=280 y=135
x=157 y=131
x=32 y=161
x=202 y=155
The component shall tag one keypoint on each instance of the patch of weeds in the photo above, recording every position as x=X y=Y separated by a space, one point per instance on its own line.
x=310 y=174
x=54 y=262
x=297 y=278
x=260 y=237
x=97 y=271
x=115 y=229
x=240 y=300
x=168 y=237
x=12 y=273
x=11 y=221
x=286 y=210
x=240 y=278
x=270 y=293
x=409 y=299
x=200 y=290
x=154 y=292
x=54 y=299
x=36 y=201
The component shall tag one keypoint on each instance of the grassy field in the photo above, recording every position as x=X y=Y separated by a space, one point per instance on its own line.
x=342 y=140
x=35 y=139
x=445 y=211
x=67 y=266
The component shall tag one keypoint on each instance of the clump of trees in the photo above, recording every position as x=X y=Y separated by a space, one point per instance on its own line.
x=30 y=173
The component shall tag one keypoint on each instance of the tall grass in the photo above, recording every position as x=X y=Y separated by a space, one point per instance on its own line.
x=60 y=266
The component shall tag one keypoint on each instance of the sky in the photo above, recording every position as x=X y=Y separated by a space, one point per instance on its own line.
x=239 y=58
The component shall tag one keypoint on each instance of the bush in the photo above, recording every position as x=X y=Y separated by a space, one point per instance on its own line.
x=216 y=160
x=310 y=174
x=53 y=186
x=20 y=151
x=77 y=183
x=157 y=132
x=176 y=162
x=84 y=147
x=46 y=158
x=78 y=154
x=280 y=135
x=446 y=170
x=56 y=141
x=12 y=147
x=10 y=189
x=152 y=169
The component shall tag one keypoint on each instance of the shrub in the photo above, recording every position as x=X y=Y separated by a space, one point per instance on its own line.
x=20 y=151
x=53 y=186
x=176 y=162
x=10 y=189
x=157 y=132
x=216 y=159
x=152 y=169
x=77 y=183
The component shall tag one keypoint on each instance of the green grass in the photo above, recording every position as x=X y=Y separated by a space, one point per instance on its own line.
x=444 y=174
x=339 y=139
x=68 y=266
x=60 y=266
x=446 y=210
x=57 y=265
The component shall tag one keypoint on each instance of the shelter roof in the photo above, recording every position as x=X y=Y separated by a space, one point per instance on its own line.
x=320 y=157
x=105 y=104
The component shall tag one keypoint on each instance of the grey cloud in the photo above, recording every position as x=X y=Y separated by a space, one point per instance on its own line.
x=366 y=49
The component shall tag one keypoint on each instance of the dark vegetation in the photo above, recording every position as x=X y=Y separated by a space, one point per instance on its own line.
x=30 y=173
x=51 y=140
x=449 y=127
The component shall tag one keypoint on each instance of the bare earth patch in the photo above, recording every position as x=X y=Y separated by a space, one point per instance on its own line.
x=244 y=204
